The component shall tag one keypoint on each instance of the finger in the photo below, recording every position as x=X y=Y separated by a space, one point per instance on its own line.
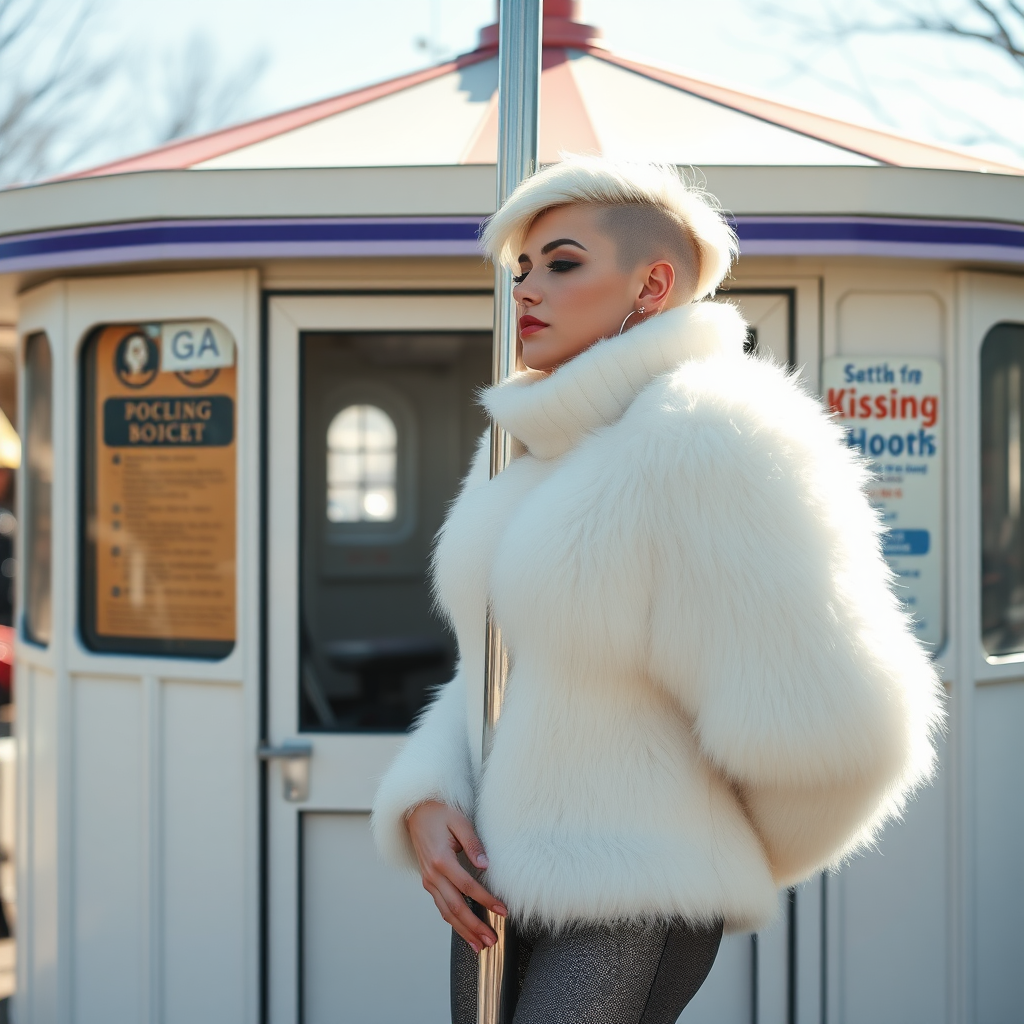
x=462 y=912
x=462 y=829
x=468 y=935
x=467 y=928
x=467 y=884
x=445 y=865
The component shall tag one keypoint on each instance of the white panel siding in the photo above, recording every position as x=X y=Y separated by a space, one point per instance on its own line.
x=999 y=863
x=893 y=921
x=725 y=998
x=109 y=850
x=899 y=323
x=43 y=745
x=361 y=965
x=204 y=853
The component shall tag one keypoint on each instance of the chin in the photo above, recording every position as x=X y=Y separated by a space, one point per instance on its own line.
x=539 y=357
x=542 y=355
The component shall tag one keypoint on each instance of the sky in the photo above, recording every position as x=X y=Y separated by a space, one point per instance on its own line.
x=317 y=48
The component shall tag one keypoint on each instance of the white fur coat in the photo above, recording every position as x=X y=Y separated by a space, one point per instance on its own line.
x=713 y=691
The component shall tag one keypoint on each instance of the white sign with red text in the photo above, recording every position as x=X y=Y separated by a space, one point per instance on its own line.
x=892 y=409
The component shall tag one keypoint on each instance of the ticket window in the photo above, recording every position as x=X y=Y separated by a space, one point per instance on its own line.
x=1002 y=465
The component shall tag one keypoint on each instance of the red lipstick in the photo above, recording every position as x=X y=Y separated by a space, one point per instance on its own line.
x=530 y=325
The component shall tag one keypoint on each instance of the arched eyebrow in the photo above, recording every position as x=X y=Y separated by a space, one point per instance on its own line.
x=553 y=245
x=561 y=241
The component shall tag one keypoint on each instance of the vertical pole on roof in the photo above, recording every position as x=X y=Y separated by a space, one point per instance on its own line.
x=519 y=53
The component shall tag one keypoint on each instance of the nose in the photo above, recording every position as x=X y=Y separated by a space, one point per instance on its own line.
x=524 y=295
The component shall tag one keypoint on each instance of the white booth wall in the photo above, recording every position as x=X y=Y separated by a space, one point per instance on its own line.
x=138 y=812
x=139 y=821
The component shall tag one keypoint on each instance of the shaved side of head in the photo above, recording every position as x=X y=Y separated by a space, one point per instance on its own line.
x=644 y=234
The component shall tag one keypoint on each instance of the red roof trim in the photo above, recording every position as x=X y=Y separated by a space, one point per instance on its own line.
x=189 y=152
x=890 y=149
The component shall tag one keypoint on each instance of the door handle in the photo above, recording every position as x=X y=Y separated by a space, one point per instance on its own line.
x=294 y=756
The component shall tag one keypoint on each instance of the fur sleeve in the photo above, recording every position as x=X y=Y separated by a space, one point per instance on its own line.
x=434 y=764
x=773 y=619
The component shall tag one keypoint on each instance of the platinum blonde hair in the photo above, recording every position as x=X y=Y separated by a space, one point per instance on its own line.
x=609 y=183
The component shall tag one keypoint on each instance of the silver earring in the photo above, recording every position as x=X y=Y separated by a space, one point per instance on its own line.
x=631 y=313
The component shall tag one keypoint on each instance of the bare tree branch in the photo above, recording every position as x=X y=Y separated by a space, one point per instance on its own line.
x=47 y=77
x=197 y=93
x=63 y=98
x=905 y=18
x=997 y=26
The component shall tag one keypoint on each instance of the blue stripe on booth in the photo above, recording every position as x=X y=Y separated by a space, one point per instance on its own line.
x=256 y=238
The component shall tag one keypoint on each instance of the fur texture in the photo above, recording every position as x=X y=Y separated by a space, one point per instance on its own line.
x=714 y=692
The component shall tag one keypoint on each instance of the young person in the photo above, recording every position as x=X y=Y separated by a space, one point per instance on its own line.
x=714 y=693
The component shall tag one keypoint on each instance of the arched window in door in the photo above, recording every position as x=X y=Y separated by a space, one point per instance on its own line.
x=362 y=466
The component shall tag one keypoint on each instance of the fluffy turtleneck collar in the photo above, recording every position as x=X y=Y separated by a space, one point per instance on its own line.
x=551 y=412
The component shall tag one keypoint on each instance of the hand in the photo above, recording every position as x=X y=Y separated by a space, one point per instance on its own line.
x=438 y=834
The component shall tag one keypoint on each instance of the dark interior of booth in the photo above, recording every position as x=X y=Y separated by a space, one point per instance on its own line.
x=389 y=423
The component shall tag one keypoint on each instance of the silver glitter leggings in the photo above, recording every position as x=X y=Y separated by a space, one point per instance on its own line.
x=597 y=974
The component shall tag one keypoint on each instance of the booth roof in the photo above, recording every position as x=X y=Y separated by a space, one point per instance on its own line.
x=406 y=168
x=592 y=101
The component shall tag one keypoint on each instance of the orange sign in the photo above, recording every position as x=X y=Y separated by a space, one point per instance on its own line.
x=163 y=493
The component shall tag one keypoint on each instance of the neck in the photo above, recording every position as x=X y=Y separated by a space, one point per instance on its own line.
x=550 y=411
x=628 y=324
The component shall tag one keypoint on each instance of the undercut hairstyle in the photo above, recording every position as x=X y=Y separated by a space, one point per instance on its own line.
x=643 y=234
x=649 y=211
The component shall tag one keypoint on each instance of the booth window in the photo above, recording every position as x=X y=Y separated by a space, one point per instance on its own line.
x=1002 y=463
x=38 y=527
x=388 y=426
x=362 y=466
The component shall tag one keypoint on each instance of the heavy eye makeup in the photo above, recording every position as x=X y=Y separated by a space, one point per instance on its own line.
x=555 y=266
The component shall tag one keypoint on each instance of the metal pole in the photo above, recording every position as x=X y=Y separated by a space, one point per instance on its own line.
x=519 y=52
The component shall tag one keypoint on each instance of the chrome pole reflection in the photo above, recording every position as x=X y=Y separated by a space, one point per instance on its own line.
x=519 y=53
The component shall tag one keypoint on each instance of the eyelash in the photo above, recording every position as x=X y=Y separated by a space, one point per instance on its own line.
x=555 y=266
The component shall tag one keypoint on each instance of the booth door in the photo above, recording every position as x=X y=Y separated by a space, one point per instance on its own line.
x=371 y=425
x=987 y=717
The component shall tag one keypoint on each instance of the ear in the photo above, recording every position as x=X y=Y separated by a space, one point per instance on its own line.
x=658 y=280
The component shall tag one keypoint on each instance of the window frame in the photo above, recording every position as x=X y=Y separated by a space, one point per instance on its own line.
x=366 y=531
x=360 y=483
x=29 y=525
x=985 y=430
